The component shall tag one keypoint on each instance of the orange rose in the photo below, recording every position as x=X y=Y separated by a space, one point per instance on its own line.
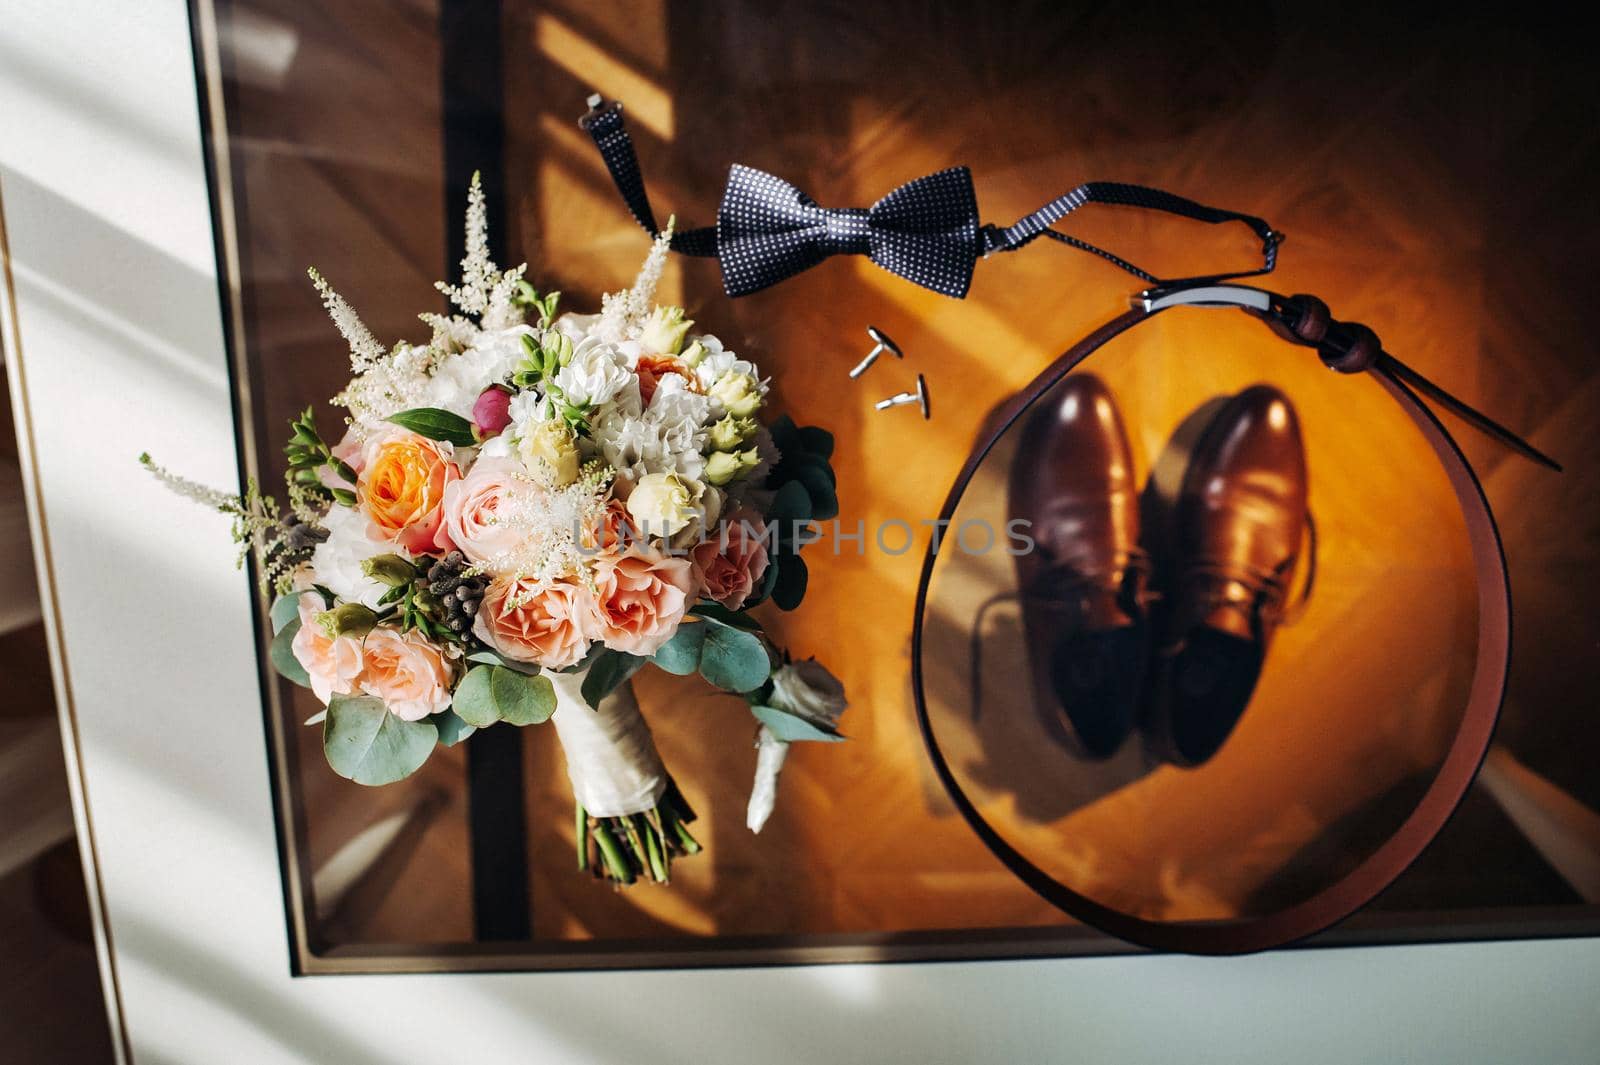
x=407 y=671
x=639 y=600
x=535 y=621
x=401 y=487
x=652 y=368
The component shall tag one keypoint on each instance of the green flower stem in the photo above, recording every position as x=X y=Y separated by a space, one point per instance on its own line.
x=652 y=843
x=618 y=865
x=635 y=844
x=583 y=839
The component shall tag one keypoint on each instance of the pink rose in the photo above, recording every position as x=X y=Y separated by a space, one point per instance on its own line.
x=535 y=621
x=334 y=665
x=492 y=412
x=639 y=600
x=407 y=671
x=475 y=508
x=401 y=487
x=731 y=564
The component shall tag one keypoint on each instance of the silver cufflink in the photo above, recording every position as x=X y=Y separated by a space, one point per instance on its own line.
x=919 y=397
x=881 y=339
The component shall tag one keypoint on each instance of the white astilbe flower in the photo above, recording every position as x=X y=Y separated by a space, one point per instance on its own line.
x=365 y=350
x=551 y=524
x=395 y=382
x=485 y=291
x=623 y=314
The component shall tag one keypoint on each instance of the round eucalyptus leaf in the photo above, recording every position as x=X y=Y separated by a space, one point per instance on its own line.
x=452 y=730
x=733 y=660
x=816 y=440
x=680 y=655
x=494 y=693
x=281 y=654
x=367 y=744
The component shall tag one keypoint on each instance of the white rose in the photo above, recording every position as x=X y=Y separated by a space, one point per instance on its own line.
x=717 y=360
x=808 y=691
x=336 y=562
x=661 y=504
x=596 y=373
x=738 y=393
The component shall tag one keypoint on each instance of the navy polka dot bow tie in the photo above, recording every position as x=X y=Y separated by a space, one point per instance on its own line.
x=925 y=231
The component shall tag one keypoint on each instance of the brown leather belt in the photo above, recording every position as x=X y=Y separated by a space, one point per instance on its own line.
x=1349 y=348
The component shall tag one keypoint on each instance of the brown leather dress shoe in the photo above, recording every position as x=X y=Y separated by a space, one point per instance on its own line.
x=1081 y=586
x=1237 y=530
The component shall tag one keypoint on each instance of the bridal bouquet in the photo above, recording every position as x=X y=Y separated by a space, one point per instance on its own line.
x=520 y=514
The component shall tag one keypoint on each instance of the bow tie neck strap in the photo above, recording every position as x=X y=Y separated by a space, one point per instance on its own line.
x=926 y=231
x=605 y=126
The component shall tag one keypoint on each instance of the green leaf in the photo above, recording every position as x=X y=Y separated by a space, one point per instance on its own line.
x=609 y=670
x=367 y=744
x=282 y=656
x=789 y=728
x=785 y=437
x=680 y=655
x=819 y=486
x=452 y=730
x=494 y=659
x=804 y=461
x=816 y=440
x=318 y=718
x=793 y=575
x=733 y=660
x=790 y=503
x=436 y=424
x=285 y=608
x=534 y=702
x=723 y=616
x=494 y=693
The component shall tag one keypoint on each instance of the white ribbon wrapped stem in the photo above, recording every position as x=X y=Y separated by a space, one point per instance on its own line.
x=611 y=756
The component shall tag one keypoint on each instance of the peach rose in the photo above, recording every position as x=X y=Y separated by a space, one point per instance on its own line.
x=535 y=621
x=652 y=368
x=639 y=600
x=731 y=564
x=334 y=665
x=407 y=671
x=475 y=506
x=401 y=487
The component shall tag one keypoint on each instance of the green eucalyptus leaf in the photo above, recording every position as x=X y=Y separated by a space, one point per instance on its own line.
x=816 y=440
x=609 y=670
x=365 y=743
x=790 y=728
x=319 y=717
x=680 y=655
x=494 y=693
x=733 y=660
x=285 y=608
x=494 y=659
x=281 y=654
x=452 y=730
x=532 y=697
x=793 y=575
x=436 y=424
x=723 y=616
